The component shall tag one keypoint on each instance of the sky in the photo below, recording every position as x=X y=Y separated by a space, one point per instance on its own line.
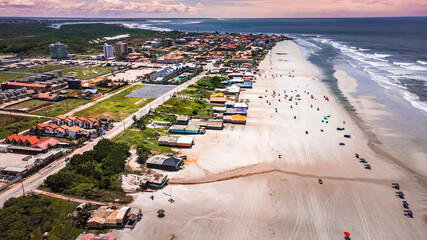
x=212 y=8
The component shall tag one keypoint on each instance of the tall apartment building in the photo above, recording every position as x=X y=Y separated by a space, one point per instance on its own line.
x=58 y=50
x=120 y=49
x=108 y=51
x=166 y=42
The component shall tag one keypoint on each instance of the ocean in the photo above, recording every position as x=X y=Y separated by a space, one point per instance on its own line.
x=386 y=56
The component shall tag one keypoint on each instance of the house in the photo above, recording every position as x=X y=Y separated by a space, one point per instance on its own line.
x=21 y=140
x=183 y=129
x=45 y=144
x=106 y=217
x=48 y=97
x=168 y=140
x=185 y=141
x=215 y=124
x=221 y=100
x=182 y=120
x=165 y=163
x=51 y=129
x=73 y=131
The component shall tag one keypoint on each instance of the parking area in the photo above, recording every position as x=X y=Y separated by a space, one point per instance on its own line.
x=16 y=160
x=151 y=91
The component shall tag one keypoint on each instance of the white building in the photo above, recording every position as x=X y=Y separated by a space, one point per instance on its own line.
x=166 y=73
x=108 y=51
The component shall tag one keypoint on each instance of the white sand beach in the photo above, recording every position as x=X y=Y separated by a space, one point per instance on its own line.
x=235 y=186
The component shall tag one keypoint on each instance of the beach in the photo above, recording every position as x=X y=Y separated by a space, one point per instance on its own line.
x=260 y=180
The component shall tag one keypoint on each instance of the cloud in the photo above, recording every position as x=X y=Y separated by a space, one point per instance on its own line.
x=97 y=7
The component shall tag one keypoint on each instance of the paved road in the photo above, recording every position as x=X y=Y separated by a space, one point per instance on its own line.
x=35 y=180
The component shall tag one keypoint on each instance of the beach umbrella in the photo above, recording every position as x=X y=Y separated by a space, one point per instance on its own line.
x=323 y=120
x=160 y=211
x=347 y=234
x=295 y=117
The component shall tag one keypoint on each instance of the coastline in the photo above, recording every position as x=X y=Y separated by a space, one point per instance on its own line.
x=236 y=187
x=373 y=111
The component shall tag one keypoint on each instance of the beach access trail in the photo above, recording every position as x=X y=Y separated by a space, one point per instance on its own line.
x=235 y=186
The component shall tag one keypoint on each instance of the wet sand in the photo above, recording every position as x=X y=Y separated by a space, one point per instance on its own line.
x=236 y=187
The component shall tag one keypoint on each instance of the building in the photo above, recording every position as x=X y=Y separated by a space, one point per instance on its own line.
x=176 y=141
x=120 y=49
x=182 y=120
x=172 y=59
x=106 y=217
x=183 y=129
x=165 y=163
x=48 y=97
x=166 y=42
x=155 y=44
x=166 y=73
x=108 y=51
x=58 y=50
x=28 y=86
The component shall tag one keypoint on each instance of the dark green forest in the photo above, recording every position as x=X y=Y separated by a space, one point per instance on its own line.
x=93 y=174
x=30 y=216
x=33 y=39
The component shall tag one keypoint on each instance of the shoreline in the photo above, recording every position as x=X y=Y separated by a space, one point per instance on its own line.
x=345 y=79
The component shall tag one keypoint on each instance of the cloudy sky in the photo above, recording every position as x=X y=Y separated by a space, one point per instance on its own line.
x=213 y=8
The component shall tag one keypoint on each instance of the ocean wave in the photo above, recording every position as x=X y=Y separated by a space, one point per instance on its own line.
x=415 y=101
x=159 y=21
x=147 y=27
x=381 y=55
x=422 y=62
x=393 y=76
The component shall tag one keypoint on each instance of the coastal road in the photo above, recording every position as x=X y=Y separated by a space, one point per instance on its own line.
x=35 y=180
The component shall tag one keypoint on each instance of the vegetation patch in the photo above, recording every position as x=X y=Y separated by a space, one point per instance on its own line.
x=33 y=103
x=117 y=107
x=61 y=107
x=87 y=72
x=180 y=106
x=10 y=124
x=146 y=138
x=42 y=68
x=30 y=216
x=94 y=174
x=6 y=77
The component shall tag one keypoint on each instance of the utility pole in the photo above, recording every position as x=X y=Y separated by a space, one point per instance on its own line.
x=23 y=190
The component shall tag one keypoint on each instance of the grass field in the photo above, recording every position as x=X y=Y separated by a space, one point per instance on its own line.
x=43 y=68
x=146 y=138
x=87 y=72
x=117 y=107
x=5 y=77
x=29 y=104
x=61 y=107
x=10 y=124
